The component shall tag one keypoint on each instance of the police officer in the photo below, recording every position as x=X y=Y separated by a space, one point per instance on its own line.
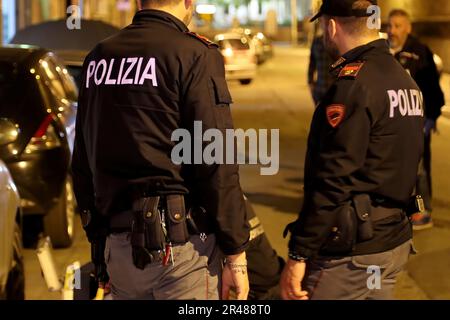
x=353 y=236
x=165 y=225
x=418 y=60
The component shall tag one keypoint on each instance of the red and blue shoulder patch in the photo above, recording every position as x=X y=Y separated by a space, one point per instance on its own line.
x=204 y=40
x=335 y=114
x=351 y=70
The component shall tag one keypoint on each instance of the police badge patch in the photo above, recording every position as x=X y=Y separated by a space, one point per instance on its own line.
x=335 y=114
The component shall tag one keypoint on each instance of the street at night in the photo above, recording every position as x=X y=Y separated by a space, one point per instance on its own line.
x=279 y=98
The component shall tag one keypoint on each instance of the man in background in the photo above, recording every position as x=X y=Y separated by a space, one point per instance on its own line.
x=418 y=60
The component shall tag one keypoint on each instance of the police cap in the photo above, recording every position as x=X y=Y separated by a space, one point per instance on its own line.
x=342 y=8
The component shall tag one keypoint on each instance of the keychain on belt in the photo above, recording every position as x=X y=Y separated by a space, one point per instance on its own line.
x=168 y=253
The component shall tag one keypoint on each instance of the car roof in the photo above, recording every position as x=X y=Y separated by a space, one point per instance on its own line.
x=19 y=53
x=229 y=35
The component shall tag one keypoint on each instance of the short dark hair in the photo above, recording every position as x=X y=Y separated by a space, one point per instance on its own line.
x=158 y=3
x=356 y=25
x=399 y=13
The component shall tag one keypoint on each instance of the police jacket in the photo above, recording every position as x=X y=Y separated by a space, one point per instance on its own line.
x=366 y=137
x=139 y=87
x=417 y=58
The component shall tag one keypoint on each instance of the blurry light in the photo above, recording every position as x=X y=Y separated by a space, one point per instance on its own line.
x=26 y=203
x=58 y=69
x=228 y=52
x=65 y=71
x=22 y=165
x=220 y=37
x=65 y=101
x=45 y=64
x=59 y=115
x=15 y=152
x=260 y=36
x=38 y=77
x=206 y=9
x=49 y=110
x=33 y=71
x=60 y=109
x=26 y=46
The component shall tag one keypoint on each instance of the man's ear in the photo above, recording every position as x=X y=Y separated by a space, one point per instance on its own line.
x=188 y=3
x=409 y=28
x=332 y=28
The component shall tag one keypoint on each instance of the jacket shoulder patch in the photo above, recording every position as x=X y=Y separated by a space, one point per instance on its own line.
x=203 y=39
x=351 y=70
x=335 y=115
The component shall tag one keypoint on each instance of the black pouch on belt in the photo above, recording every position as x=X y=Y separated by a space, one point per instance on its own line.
x=147 y=230
x=343 y=235
x=177 y=227
x=363 y=207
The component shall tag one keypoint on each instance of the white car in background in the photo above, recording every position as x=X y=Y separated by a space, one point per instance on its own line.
x=12 y=284
x=240 y=57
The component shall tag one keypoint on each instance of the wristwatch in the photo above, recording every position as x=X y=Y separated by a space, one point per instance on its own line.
x=296 y=257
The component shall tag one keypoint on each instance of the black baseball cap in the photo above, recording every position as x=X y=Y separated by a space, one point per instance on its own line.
x=342 y=8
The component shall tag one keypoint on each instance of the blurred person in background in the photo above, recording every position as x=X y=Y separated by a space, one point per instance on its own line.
x=418 y=60
x=319 y=77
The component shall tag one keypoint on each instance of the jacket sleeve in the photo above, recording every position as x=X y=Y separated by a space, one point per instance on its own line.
x=312 y=63
x=338 y=153
x=428 y=81
x=81 y=171
x=215 y=186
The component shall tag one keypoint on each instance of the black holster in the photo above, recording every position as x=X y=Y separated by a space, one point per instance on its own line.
x=158 y=222
x=353 y=225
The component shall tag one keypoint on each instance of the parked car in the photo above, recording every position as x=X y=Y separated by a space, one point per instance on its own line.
x=12 y=280
x=239 y=55
x=38 y=93
x=262 y=45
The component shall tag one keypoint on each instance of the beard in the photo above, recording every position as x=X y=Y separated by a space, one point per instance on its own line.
x=394 y=42
x=330 y=47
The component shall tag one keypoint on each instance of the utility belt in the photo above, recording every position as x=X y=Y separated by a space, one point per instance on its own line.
x=157 y=224
x=356 y=219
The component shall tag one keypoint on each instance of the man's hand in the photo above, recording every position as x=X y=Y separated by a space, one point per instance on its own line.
x=235 y=276
x=430 y=127
x=291 y=281
x=312 y=87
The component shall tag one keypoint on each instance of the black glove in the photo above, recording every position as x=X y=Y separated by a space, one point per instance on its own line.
x=95 y=226
x=98 y=259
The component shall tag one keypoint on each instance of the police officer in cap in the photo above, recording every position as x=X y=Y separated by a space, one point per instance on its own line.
x=160 y=227
x=353 y=235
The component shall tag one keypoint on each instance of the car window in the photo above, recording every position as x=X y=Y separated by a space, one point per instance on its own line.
x=58 y=79
x=235 y=44
x=8 y=85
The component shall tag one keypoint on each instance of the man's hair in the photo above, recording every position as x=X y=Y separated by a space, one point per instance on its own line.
x=399 y=13
x=356 y=26
x=158 y=3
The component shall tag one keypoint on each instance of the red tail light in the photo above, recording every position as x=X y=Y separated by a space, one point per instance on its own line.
x=45 y=137
x=43 y=127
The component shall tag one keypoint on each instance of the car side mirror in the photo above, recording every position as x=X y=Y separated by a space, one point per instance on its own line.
x=8 y=131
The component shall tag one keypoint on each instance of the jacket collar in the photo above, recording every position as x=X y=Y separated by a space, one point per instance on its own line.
x=148 y=15
x=358 y=53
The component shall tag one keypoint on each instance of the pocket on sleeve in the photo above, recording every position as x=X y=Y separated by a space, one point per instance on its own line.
x=221 y=100
x=222 y=95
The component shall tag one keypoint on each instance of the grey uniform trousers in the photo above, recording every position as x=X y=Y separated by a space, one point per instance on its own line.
x=195 y=275
x=364 y=277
